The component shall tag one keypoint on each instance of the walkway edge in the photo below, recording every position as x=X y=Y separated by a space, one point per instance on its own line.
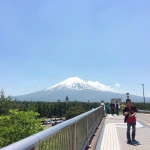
x=144 y=122
x=95 y=138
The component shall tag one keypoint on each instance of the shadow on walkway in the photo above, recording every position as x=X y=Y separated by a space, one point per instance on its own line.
x=135 y=143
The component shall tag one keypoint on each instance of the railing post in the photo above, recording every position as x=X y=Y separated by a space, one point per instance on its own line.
x=73 y=137
x=103 y=105
x=98 y=119
x=94 y=131
x=93 y=118
x=93 y=126
x=87 y=136
x=35 y=148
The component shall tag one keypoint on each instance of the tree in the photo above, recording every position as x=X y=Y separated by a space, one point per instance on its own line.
x=2 y=95
x=64 y=109
x=4 y=103
x=18 y=125
x=55 y=112
x=74 y=111
x=67 y=99
x=59 y=110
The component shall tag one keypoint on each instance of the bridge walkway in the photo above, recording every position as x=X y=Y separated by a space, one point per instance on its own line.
x=113 y=134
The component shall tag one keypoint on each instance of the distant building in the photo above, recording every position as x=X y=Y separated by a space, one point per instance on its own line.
x=114 y=100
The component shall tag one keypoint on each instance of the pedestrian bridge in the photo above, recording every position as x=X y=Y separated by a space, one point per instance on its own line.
x=113 y=134
x=93 y=130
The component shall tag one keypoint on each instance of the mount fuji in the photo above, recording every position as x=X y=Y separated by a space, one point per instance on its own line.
x=77 y=89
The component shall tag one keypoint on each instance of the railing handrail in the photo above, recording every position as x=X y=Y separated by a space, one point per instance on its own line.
x=35 y=139
x=144 y=111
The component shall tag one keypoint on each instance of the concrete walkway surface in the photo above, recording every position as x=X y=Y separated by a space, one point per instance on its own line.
x=113 y=134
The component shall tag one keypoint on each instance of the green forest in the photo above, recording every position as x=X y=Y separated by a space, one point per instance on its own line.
x=21 y=119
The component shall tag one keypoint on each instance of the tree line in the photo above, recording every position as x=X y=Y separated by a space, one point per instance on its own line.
x=45 y=109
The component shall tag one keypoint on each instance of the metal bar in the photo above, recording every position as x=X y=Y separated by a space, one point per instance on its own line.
x=71 y=140
x=143 y=96
x=87 y=136
x=74 y=137
x=148 y=111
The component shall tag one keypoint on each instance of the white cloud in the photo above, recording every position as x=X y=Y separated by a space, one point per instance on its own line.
x=117 y=85
x=103 y=87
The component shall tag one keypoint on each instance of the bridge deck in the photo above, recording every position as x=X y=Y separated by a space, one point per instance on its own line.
x=113 y=134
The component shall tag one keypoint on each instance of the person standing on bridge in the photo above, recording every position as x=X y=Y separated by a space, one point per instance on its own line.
x=129 y=112
x=107 y=108
x=117 y=108
x=112 y=107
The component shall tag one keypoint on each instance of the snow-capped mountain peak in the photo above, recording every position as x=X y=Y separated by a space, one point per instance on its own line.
x=73 y=80
x=73 y=83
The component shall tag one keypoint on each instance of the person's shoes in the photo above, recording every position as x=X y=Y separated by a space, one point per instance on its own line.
x=133 y=139
x=129 y=141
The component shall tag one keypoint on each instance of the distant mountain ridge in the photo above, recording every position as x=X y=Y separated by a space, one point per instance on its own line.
x=77 y=89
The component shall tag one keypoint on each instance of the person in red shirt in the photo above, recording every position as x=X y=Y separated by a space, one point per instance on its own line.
x=112 y=107
x=129 y=112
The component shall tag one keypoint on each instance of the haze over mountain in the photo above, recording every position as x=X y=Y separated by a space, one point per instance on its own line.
x=80 y=90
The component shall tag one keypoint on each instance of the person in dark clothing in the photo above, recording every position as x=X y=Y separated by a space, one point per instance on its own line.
x=129 y=112
x=117 y=108
x=107 y=108
x=112 y=107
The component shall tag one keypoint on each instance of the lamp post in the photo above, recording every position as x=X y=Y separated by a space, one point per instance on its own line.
x=143 y=95
x=127 y=95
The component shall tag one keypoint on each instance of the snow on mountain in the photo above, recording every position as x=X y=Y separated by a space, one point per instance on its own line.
x=100 y=86
x=73 y=83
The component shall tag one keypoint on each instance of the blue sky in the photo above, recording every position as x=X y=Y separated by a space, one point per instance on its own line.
x=45 y=42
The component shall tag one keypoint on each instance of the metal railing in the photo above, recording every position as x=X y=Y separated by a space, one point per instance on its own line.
x=144 y=111
x=73 y=134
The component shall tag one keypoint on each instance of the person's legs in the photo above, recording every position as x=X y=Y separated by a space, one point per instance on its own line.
x=116 y=111
x=133 y=130
x=107 y=111
x=112 y=111
x=128 y=131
